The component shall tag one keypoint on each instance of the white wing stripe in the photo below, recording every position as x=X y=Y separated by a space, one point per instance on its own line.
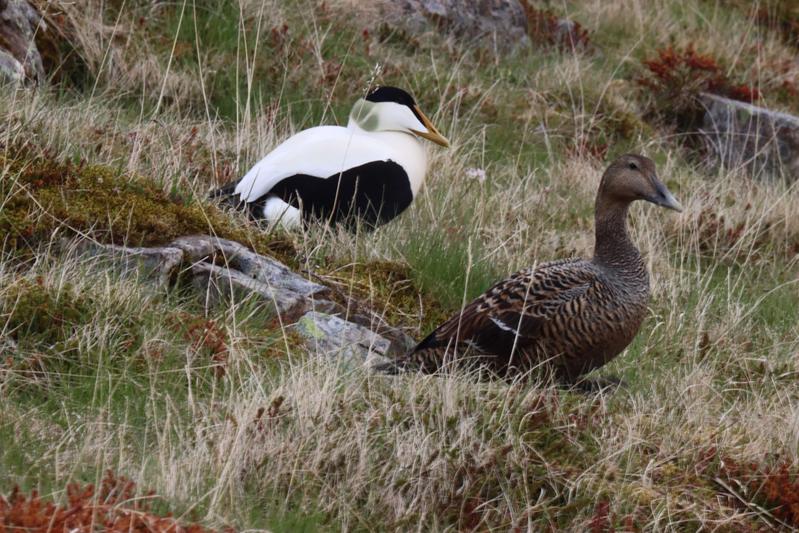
x=501 y=325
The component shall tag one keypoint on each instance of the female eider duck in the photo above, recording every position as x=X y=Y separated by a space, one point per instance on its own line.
x=574 y=314
x=367 y=172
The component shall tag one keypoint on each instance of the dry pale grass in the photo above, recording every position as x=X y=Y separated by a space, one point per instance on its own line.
x=433 y=451
x=423 y=451
x=709 y=378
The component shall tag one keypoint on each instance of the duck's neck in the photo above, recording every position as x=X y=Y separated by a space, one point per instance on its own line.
x=402 y=147
x=613 y=248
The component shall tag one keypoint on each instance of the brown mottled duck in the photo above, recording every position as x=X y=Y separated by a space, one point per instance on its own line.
x=574 y=315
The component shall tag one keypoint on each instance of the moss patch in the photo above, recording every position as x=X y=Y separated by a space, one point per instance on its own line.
x=42 y=196
x=390 y=289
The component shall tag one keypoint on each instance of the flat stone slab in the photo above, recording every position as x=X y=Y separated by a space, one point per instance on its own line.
x=219 y=283
x=741 y=135
x=237 y=257
x=333 y=336
x=159 y=263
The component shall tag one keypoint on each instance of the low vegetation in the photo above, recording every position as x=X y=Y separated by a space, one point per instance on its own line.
x=114 y=507
x=82 y=199
x=217 y=417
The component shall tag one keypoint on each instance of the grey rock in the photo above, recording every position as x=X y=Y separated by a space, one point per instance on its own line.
x=257 y=267
x=741 y=135
x=400 y=341
x=333 y=336
x=160 y=263
x=220 y=283
x=19 y=23
x=497 y=22
x=11 y=70
x=223 y=270
x=285 y=282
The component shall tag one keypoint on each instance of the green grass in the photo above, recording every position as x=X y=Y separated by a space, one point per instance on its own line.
x=126 y=374
x=452 y=268
x=766 y=305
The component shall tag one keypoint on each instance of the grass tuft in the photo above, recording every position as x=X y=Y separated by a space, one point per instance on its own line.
x=232 y=422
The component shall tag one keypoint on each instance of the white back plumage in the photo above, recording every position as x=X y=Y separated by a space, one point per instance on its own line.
x=327 y=150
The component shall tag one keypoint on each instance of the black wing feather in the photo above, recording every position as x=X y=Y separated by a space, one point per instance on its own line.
x=373 y=193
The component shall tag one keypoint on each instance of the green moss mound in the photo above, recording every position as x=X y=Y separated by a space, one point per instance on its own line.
x=388 y=288
x=42 y=196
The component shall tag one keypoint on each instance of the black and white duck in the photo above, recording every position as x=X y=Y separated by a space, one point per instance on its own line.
x=367 y=172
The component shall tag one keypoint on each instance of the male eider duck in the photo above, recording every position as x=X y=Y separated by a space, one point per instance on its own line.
x=574 y=314
x=368 y=172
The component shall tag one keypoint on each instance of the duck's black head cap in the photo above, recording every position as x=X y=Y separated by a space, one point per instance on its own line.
x=391 y=94
x=396 y=95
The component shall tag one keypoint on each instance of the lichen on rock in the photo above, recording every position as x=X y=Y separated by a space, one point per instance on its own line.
x=741 y=135
x=333 y=336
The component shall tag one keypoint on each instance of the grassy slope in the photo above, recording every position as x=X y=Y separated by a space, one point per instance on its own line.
x=111 y=374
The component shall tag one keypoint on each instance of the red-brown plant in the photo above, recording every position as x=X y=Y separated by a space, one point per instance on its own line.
x=206 y=337
x=600 y=521
x=546 y=28
x=775 y=488
x=676 y=77
x=114 y=507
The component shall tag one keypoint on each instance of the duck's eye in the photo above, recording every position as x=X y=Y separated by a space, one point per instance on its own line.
x=632 y=166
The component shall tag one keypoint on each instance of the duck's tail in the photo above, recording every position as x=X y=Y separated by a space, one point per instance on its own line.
x=394 y=367
x=226 y=195
x=417 y=360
